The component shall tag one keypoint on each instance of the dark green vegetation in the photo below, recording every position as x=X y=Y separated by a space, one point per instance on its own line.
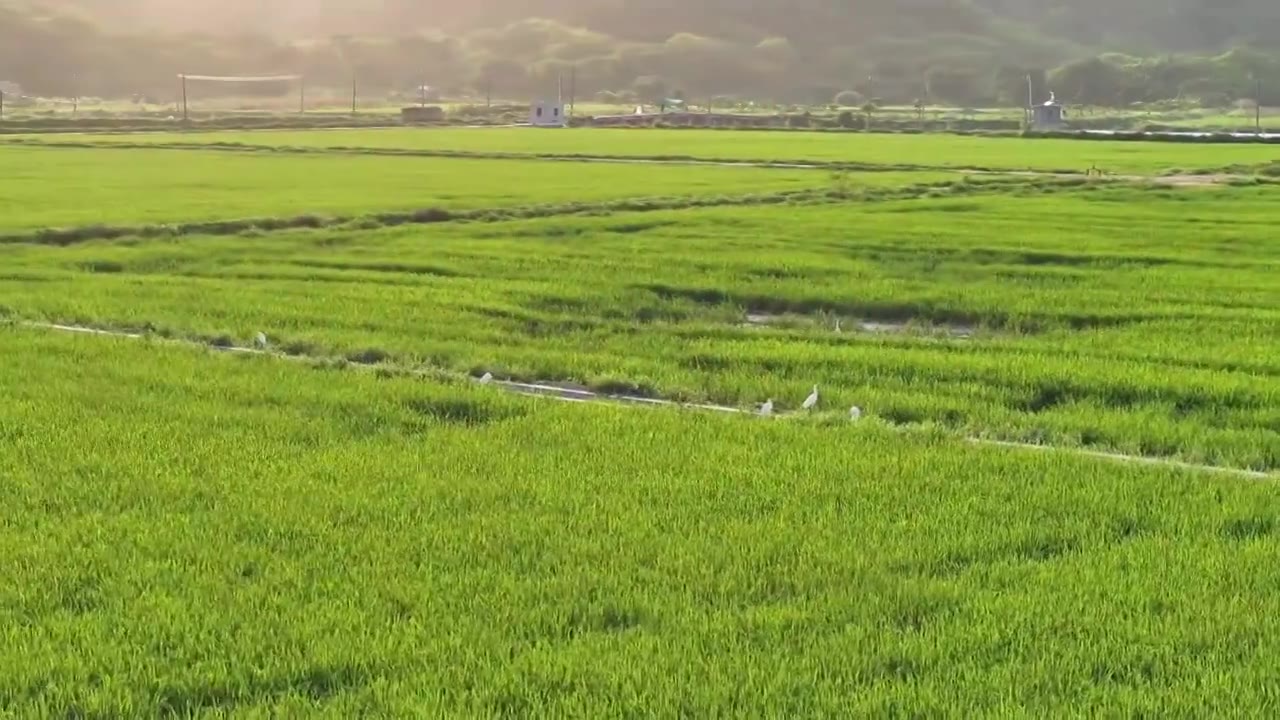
x=186 y=534
x=1143 y=321
x=963 y=52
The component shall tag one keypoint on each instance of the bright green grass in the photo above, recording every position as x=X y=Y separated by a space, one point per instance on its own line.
x=58 y=187
x=931 y=150
x=1141 y=321
x=190 y=534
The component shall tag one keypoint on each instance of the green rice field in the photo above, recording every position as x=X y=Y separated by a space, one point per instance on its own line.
x=115 y=187
x=1058 y=497
x=1123 y=343
x=193 y=534
x=928 y=150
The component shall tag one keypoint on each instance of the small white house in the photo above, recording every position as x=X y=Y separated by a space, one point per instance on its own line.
x=546 y=113
x=1049 y=116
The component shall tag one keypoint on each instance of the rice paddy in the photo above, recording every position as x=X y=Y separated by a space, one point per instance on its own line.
x=43 y=187
x=359 y=532
x=917 y=151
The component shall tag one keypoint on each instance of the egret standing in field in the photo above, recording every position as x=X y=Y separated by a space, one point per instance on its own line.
x=260 y=341
x=766 y=410
x=855 y=413
x=838 y=328
x=488 y=378
x=811 y=402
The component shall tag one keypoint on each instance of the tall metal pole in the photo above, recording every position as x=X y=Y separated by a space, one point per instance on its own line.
x=302 y=95
x=924 y=99
x=185 y=114
x=1031 y=100
x=1257 y=107
x=353 y=93
x=573 y=88
x=1 y=104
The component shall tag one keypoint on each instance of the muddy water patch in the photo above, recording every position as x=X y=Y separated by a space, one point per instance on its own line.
x=837 y=324
x=765 y=311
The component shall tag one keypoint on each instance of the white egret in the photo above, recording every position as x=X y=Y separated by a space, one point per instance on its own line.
x=838 y=328
x=488 y=378
x=766 y=409
x=811 y=402
x=855 y=413
x=260 y=341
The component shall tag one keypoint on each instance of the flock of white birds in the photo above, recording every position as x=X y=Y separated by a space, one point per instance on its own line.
x=810 y=403
x=766 y=410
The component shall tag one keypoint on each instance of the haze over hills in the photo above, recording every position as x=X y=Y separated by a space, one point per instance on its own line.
x=1149 y=26
x=1152 y=25
x=960 y=51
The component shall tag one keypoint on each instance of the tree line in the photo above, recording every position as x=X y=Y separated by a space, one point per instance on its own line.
x=884 y=60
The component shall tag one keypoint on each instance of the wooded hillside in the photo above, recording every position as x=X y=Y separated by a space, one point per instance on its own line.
x=965 y=52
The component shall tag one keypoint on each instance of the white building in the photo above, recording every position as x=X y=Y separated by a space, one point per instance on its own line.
x=546 y=113
x=1049 y=116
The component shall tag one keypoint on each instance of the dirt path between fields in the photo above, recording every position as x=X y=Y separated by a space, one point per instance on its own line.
x=566 y=392
x=1198 y=180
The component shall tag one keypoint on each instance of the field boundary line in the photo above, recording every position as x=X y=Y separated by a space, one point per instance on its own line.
x=430 y=216
x=566 y=393
x=548 y=390
x=678 y=160
x=1181 y=179
x=1121 y=457
x=423 y=216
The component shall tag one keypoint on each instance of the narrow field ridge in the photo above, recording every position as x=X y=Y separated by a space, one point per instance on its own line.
x=1205 y=177
x=568 y=393
x=688 y=160
x=427 y=216
x=424 y=216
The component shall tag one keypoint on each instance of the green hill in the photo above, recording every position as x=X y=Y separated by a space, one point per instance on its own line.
x=958 y=51
x=1149 y=26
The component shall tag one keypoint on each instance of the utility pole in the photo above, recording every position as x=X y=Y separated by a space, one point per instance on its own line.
x=353 y=93
x=1031 y=101
x=1 y=104
x=1257 y=107
x=302 y=95
x=573 y=88
x=186 y=116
